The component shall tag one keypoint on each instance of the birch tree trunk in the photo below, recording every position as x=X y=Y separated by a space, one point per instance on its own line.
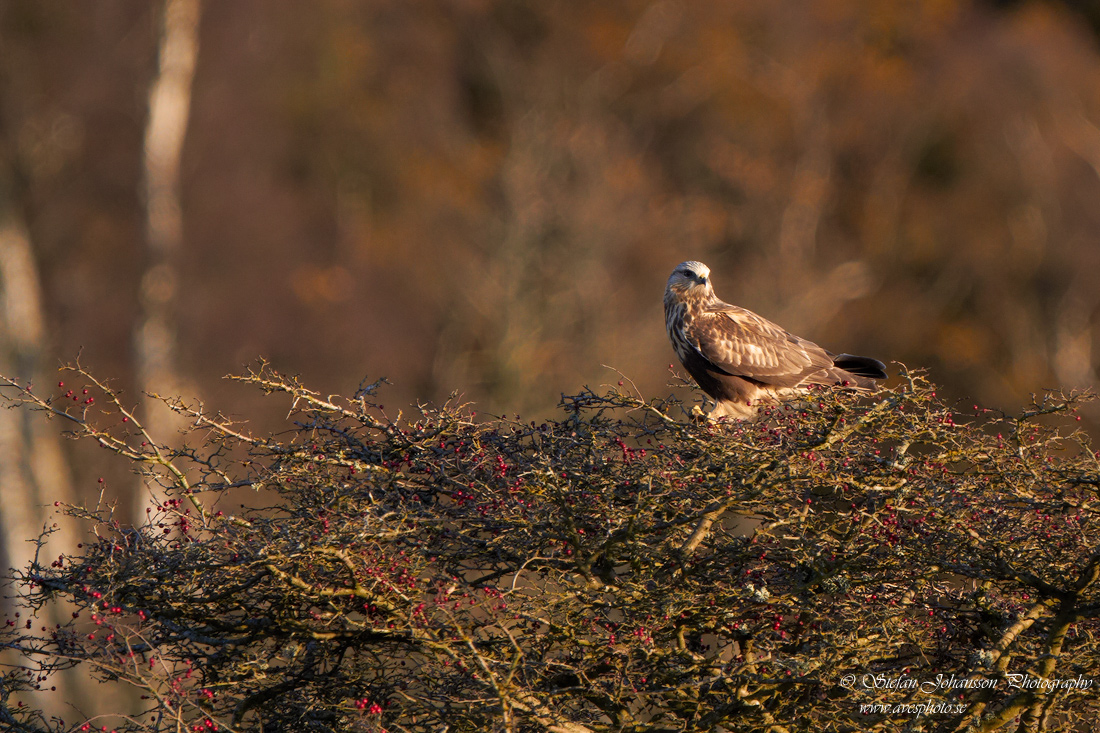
x=169 y=108
x=34 y=472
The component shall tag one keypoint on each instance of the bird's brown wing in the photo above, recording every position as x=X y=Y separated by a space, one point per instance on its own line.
x=737 y=342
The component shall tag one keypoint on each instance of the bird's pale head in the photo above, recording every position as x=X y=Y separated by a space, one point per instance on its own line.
x=691 y=280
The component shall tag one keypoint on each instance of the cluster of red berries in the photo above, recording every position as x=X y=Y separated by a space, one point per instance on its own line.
x=371 y=707
x=77 y=397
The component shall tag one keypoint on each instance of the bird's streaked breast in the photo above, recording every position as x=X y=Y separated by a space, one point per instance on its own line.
x=678 y=317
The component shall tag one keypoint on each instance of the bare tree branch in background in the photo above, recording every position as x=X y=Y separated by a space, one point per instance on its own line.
x=169 y=108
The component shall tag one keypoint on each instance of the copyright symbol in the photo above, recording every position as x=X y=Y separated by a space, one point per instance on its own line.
x=848 y=681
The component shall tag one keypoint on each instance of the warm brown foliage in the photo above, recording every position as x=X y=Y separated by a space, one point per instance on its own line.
x=491 y=193
x=616 y=569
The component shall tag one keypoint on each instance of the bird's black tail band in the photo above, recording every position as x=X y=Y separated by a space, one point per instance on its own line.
x=861 y=366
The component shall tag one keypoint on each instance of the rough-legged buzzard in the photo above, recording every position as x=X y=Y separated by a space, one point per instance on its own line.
x=741 y=359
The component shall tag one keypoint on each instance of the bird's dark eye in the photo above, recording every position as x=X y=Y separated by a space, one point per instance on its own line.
x=689 y=274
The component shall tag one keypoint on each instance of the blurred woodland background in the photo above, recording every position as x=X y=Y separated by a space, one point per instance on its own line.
x=488 y=195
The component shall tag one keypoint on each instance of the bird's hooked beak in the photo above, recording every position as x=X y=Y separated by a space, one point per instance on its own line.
x=690 y=278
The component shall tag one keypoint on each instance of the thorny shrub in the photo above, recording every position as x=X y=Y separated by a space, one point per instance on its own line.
x=830 y=566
